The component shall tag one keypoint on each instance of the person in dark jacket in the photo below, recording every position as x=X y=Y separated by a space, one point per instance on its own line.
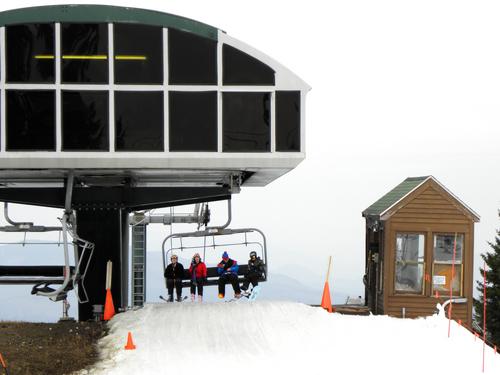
x=174 y=274
x=198 y=273
x=255 y=271
x=228 y=271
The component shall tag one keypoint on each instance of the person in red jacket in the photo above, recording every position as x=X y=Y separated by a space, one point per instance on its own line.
x=198 y=272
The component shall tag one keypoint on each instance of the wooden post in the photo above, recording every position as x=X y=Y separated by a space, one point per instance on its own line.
x=329 y=266
x=109 y=274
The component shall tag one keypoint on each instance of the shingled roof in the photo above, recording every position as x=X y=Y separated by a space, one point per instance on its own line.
x=382 y=205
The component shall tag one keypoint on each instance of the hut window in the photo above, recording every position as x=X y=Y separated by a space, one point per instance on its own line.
x=443 y=263
x=409 y=263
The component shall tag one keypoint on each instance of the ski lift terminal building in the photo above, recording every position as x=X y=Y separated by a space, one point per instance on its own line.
x=106 y=110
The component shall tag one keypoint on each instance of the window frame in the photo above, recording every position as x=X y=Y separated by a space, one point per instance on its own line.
x=58 y=85
x=423 y=263
x=461 y=264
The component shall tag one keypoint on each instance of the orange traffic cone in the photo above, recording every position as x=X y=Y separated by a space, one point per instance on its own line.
x=326 y=303
x=130 y=344
x=109 y=307
x=4 y=365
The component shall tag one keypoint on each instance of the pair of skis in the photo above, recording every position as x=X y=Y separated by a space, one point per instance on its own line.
x=166 y=300
x=251 y=297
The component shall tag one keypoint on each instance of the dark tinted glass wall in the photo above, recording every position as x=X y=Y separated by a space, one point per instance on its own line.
x=193 y=121
x=287 y=120
x=31 y=120
x=85 y=121
x=139 y=121
x=246 y=121
x=192 y=59
x=240 y=68
x=138 y=54
x=84 y=53
x=30 y=53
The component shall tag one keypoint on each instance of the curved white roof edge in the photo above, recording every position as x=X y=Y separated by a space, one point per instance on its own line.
x=285 y=78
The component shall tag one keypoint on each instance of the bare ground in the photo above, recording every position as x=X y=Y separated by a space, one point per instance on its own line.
x=49 y=348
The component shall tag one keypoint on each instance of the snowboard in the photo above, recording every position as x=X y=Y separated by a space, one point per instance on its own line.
x=166 y=300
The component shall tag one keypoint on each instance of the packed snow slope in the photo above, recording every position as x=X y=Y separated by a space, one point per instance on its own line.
x=263 y=337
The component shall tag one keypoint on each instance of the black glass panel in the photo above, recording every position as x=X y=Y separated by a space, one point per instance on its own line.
x=287 y=120
x=192 y=59
x=139 y=121
x=30 y=53
x=240 y=68
x=31 y=120
x=85 y=121
x=84 y=53
x=193 y=121
x=246 y=121
x=138 y=54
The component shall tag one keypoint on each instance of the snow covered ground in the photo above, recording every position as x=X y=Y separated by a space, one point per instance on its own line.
x=255 y=338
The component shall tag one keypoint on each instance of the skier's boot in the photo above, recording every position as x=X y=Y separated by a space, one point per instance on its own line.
x=193 y=297
x=170 y=298
x=200 y=299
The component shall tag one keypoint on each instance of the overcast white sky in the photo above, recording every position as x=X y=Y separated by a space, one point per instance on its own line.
x=399 y=88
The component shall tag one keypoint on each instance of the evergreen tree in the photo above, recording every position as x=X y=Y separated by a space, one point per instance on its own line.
x=492 y=260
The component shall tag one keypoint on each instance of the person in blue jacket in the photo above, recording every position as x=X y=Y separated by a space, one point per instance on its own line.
x=228 y=271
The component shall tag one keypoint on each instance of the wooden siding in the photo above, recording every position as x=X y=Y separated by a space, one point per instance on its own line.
x=417 y=306
x=430 y=206
x=428 y=210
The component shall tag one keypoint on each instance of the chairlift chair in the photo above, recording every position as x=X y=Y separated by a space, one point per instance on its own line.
x=45 y=278
x=216 y=232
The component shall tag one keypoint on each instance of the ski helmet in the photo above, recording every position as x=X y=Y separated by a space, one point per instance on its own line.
x=253 y=254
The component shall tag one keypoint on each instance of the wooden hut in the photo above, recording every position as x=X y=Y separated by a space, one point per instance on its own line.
x=415 y=235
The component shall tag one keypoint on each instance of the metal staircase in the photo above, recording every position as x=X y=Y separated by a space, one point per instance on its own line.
x=138 y=264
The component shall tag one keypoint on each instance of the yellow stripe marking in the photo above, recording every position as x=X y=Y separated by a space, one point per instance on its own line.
x=92 y=57
x=85 y=57
x=130 y=57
